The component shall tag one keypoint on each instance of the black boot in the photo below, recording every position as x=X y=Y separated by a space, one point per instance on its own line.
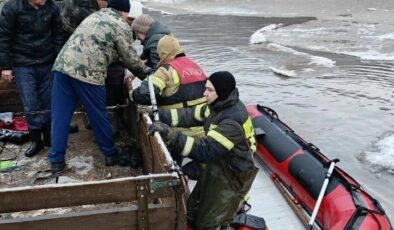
x=112 y=160
x=115 y=127
x=36 y=143
x=46 y=134
x=57 y=167
x=73 y=128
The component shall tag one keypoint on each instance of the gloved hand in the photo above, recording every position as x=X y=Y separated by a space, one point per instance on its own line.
x=165 y=131
x=148 y=70
x=145 y=109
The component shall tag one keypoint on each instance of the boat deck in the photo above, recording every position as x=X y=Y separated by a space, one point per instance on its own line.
x=268 y=202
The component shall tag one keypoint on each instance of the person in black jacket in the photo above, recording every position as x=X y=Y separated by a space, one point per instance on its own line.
x=149 y=32
x=31 y=35
x=226 y=150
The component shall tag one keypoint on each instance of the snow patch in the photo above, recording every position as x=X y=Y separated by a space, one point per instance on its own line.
x=81 y=164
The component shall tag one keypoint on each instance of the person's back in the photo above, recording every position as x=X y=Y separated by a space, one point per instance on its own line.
x=73 y=12
x=149 y=32
x=178 y=82
x=101 y=39
x=80 y=71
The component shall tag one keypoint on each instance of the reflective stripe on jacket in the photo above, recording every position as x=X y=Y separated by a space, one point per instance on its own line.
x=227 y=150
x=177 y=85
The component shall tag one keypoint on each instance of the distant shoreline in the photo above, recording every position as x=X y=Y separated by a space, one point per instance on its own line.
x=377 y=11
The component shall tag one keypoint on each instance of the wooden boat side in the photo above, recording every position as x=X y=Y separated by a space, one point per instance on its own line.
x=154 y=199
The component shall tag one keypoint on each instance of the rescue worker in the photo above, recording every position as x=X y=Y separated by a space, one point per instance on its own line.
x=227 y=150
x=31 y=36
x=149 y=32
x=80 y=70
x=178 y=82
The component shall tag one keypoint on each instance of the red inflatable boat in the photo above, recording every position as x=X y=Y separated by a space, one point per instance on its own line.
x=301 y=169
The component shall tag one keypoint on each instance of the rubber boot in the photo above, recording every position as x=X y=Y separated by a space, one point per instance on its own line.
x=74 y=128
x=36 y=143
x=46 y=134
x=112 y=160
x=57 y=167
x=115 y=126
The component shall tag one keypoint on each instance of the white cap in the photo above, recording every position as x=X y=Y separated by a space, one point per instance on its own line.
x=135 y=9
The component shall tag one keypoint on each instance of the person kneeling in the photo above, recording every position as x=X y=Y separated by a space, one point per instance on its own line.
x=226 y=150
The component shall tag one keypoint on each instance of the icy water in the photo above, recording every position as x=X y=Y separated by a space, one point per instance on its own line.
x=339 y=95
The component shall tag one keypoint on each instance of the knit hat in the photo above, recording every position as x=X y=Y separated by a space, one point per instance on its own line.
x=121 y=5
x=224 y=83
x=135 y=9
x=142 y=23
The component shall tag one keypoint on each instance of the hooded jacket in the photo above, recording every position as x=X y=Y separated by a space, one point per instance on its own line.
x=175 y=85
x=29 y=36
x=226 y=149
x=149 y=53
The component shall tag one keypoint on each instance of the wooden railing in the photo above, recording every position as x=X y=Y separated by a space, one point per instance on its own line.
x=152 y=201
x=155 y=200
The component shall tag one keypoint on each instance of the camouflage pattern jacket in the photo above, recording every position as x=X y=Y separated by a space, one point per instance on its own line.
x=73 y=12
x=102 y=38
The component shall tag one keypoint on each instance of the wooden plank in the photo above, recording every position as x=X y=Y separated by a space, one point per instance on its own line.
x=181 y=207
x=9 y=97
x=118 y=218
x=4 y=85
x=153 y=156
x=144 y=144
x=158 y=156
x=11 y=108
x=53 y=196
x=131 y=120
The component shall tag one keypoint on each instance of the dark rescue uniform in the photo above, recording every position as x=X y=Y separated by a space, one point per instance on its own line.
x=227 y=151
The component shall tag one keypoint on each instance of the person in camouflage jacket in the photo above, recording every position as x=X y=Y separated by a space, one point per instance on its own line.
x=73 y=12
x=226 y=151
x=80 y=70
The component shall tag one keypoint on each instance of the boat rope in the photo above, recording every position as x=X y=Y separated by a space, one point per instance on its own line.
x=362 y=211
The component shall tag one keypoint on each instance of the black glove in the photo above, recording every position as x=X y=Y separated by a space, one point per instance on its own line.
x=148 y=70
x=165 y=131
x=145 y=109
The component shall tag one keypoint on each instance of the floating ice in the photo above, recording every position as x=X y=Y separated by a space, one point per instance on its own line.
x=283 y=72
x=382 y=153
x=258 y=36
